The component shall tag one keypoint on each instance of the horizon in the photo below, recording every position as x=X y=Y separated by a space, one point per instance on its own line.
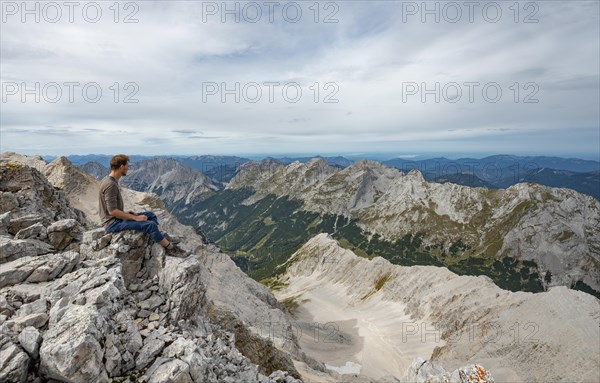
x=351 y=156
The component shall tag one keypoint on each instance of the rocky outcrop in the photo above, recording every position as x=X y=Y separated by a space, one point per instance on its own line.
x=92 y=306
x=36 y=162
x=37 y=218
x=32 y=199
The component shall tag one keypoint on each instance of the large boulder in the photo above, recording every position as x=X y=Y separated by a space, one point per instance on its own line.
x=61 y=233
x=72 y=350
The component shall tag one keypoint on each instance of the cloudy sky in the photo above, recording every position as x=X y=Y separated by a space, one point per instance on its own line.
x=345 y=77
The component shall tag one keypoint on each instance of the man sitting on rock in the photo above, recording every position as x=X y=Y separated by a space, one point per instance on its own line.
x=114 y=219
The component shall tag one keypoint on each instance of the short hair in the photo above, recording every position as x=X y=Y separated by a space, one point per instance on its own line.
x=118 y=160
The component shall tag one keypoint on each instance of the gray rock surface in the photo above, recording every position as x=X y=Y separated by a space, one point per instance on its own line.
x=13 y=362
x=35 y=231
x=71 y=350
x=61 y=233
x=12 y=249
x=37 y=269
x=30 y=339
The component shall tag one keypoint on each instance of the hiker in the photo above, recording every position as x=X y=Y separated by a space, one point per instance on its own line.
x=114 y=219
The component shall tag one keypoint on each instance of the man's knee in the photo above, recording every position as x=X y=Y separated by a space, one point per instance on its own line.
x=150 y=227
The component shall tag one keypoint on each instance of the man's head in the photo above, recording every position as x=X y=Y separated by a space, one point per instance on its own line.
x=119 y=164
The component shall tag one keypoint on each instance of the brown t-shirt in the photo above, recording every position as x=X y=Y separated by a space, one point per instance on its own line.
x=109 y=200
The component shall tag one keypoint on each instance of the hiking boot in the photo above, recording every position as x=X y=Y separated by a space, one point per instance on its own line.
x=177 y=251
x=175 y=240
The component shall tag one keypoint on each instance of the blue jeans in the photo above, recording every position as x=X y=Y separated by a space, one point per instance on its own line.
x=150 y=226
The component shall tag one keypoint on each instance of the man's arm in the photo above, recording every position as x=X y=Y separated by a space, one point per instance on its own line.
x=111 y=196
x=117 y=213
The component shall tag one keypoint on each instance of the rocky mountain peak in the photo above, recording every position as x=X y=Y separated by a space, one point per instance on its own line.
x=64 y=175
x=317 y=161
x=62 y=160
x=253 y=173
x=367 y=165
x=416 y=175
x=170 y=179
x=95 y=169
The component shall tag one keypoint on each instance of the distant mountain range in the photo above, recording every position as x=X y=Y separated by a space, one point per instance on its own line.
x=503 y=171
x=493 y=172
x=517 y=165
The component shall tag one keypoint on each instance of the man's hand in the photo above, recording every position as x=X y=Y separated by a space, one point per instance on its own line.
x=130 y=215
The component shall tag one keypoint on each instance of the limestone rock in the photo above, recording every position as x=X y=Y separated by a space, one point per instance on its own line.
x=169 y=370
x=30 y=339
x=71 y=350
x=37 y=198
x=61 y=233
x=149 y=351
x=13 y=362
x=37 y=269
x=4 y=220
x=19 y=223
x=12 y=249
x=36 y=320
x=35 y=231
x=93 y=235
x=35 y=307
x=8 y=202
